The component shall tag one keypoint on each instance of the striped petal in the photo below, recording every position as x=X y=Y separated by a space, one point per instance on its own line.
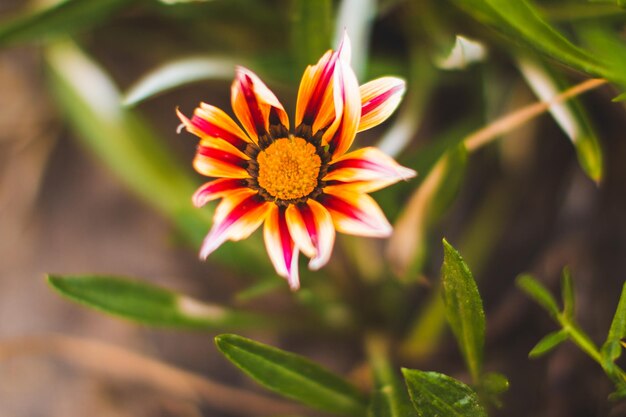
x=256 y=107
x=314 y=106
x=347 y=100
x=210 y=122
x=368 y=168
x=379 y=99
x=217 y=189
x=355 y=213
x=311 y=227
x=219 y=159
x=238 y=215
x=280 y=246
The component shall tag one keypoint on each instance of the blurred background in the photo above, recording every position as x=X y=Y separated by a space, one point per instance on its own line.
x=94 y=179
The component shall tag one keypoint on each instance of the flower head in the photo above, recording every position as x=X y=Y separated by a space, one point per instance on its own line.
x=302 y=183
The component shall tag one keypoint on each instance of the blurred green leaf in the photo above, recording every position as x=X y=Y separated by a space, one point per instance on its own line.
x=464 y=308
x=356 y=18
x=549 y=342
x=621 y=3
x=311 y=31
x=523 y=22
x=621 y=97
x=134 y=152
x=434 y=394
x=571 y=116
x=292 y=376
x=177 y=73
x=145 y=303
x=62 y=18
x=567 y=290
x=389 y=398
x=538 y=292
x=612 y=349
x=494 y=383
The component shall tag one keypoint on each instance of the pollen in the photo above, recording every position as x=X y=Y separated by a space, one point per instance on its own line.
x=289 y=168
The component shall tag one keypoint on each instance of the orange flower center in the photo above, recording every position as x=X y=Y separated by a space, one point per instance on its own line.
x=288 y=168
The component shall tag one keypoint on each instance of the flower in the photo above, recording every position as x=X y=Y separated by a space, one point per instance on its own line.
x=302 y=184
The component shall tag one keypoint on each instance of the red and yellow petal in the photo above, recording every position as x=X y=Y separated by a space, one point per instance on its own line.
x=379 y=99
x=217 y=189
x=314 y=106
x=255 y=105
x=237 y=216
x=216 y=158
x=209 y=122
x=347 y=100
x=368 y=169
x=311 y=227
x=281 y=248
x=355 y=213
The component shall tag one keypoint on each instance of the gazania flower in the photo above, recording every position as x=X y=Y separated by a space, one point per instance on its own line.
x=302 y=183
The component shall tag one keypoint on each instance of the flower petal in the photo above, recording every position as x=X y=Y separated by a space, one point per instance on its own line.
x=256 y=107
x=379 y=99
x=236 y=217
x=280 y=247
x=355 y=213
x=215 y=158
x=311 y=227
x=217 y=189
x=314 y=106
x=211 y=122
x=347 y=99
x=367 y=166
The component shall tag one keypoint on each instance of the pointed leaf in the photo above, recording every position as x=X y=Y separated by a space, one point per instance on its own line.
x=177 y=73
x=434 y=394
x=567 y=290
x=292 y=376
x=621 y=97
x=145 y=303
x=612 y=348
x=549 y=342
x=538 y=292
x=464 y=308
x=63 y=18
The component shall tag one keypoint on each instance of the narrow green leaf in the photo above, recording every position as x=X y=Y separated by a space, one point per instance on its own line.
x=145 y=303
x=571 y=115
x=538 y=292
x=612 y=349
x=292 y=376
x=434 y=394
x=549 y=342
x=464 y=308
x=567 y=293
x=177 y=73
x=621 y=97
x=494 y=383
x=311 y=31
x=389 y=398
x=63 y=18
x=135 y=152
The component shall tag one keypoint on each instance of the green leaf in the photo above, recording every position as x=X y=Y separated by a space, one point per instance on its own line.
x=62 y=18
x=464 y=308
x=389 y=398
x=523 y=22
x=292 y=376
x=621 y=97
x=538 y=292
x=177 y=73
x=567 y=290
x=135 y=152
x=494 y=383
x=570 y=115
x=612 y=349
x=311 y=31
x=145 y=303
x=549 y=342
x=434 y=394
